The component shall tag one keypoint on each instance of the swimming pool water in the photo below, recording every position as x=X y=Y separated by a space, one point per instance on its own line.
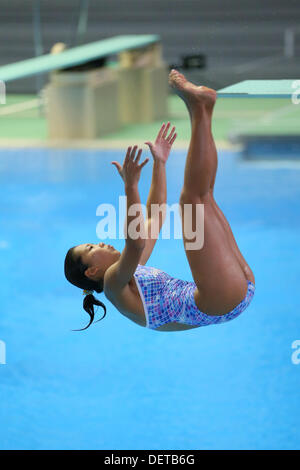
x=118 y=385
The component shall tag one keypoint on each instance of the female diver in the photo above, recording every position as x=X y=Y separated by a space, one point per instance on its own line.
x=223 y=283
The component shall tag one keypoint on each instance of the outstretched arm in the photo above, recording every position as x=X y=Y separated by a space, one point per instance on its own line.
x=120 y=273
x=157 y=198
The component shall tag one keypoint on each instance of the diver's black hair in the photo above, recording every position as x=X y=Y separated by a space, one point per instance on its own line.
x=74 y=272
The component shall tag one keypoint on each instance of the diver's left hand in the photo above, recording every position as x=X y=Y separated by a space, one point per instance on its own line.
x=162 y=146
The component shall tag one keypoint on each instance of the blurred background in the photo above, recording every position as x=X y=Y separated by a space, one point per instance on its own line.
x=214 y=43
x=117 y=385
x=238 y=40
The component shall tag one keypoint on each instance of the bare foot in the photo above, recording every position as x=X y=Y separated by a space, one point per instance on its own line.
x=192 y=95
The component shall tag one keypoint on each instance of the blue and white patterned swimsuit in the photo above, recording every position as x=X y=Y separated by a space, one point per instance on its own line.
x=167 y=299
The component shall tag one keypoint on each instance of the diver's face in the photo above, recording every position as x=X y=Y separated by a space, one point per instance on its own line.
x=98 y=257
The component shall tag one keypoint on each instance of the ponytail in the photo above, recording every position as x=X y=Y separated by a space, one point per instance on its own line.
x=88 y=304
x=74 y=272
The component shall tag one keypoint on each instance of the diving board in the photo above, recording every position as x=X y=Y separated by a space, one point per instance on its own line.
x=261 y=89
x=75 y=56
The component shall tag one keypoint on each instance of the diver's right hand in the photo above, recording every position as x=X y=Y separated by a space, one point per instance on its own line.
x=130 y=172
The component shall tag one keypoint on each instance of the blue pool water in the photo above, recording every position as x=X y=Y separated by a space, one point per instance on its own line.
x=118 y=385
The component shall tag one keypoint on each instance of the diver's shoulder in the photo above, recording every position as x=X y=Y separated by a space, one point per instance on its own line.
x=109 y=281
x=111 y=286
